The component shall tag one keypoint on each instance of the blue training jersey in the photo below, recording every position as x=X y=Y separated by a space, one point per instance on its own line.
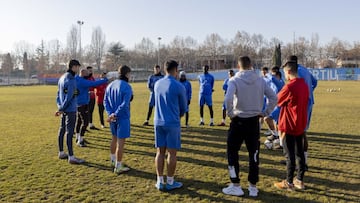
x=170 y=102
x=206 y=82
x=152 y=80
x=117 y=99
x=309 y=80
x=83 y=86
x=66 y=99
x=279 y=83
x=225 y=85
x=188 y=89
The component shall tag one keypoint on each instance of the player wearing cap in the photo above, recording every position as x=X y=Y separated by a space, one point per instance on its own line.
x=66 y=102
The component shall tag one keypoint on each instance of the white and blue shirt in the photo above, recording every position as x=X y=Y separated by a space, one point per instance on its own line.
x=170 y=102
x=117 y=99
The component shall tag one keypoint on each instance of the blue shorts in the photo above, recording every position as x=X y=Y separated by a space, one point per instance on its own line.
x=120 y=128
x=205 y=99
x=169 y=137
x=275 y=114
x=152 y=99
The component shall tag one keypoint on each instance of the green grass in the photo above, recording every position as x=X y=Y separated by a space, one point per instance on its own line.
x=31 y=172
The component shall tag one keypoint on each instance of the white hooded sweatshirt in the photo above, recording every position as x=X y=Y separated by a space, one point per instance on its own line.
x=245 y=95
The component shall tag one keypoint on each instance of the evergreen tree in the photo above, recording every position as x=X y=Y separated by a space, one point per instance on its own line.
x=276 y=60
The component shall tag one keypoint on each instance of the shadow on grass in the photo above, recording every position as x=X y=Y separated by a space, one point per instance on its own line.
x=330 y=136
x=98 y=166
x=211 y=191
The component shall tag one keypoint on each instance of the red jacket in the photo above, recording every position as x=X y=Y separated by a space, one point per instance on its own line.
x=91 y=89
x=100 y=92
x=293 y=100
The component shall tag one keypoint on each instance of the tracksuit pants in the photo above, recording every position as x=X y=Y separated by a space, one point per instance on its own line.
x=244 y=129
x=294 y=148
x=82 y=119
x=67 y=124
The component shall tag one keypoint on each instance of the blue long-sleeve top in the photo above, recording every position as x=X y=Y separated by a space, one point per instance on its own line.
x=152 y=80
x=279 y=83
x=170 y=102
x=225 y=85
x=83 y=88
x=206 y=82
x=66 y=99
x=117 y=99
x=188 y=89
x=309 y=80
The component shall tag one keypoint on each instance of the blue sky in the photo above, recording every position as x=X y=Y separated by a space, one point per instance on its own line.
x=129 y=21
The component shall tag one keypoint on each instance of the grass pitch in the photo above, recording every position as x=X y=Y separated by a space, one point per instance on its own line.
x=30 y=170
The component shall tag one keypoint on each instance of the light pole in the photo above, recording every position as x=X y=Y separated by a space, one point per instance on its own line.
x=159 y=38
x=80 y=23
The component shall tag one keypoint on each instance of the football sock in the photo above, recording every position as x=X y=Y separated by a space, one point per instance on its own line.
x=170 y=180
x=118 y=164
x=160 y=179
x=274 y=132
x=112 y=157
x=211 y=120
x=306 y=157
x=201 y=119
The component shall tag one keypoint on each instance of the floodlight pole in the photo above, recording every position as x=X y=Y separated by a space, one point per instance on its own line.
x=158 y=55
x=80 y=23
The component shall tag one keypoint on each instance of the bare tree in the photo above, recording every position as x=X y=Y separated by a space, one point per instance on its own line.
x=55 y=55
x=214 y=47
x=98 y=45
x=336 y=49
x=42 y=57
x=72 y=42
x=146 y=53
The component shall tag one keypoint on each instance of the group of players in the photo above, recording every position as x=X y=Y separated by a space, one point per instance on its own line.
x=248 y=99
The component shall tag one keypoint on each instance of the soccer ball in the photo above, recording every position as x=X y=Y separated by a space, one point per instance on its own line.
x=268 y=144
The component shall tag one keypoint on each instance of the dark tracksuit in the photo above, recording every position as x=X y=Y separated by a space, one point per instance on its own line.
x=66 y=101
x=83 y=101
x=247 y=88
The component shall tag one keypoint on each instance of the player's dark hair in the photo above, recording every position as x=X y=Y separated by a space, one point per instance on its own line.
x=74 y=62
x=171 y=65
x=293 y=58
x=123 y=70
x=275 y=69
x=292 y=65
x=245 y=62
